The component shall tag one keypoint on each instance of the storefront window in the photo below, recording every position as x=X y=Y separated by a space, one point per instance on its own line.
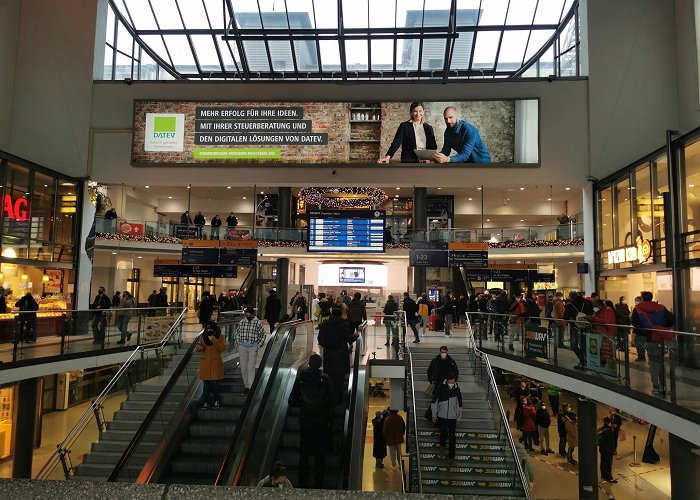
x=67 y=206
x=660 y=186
x=643 y=202
x=16 y=212
x=691 y=157
x=622 y=214
x=43 y=201
x=605 y=219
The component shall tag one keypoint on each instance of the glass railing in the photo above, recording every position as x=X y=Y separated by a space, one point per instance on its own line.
x=661 y=366
x=40 y=336
x=172 y=232
x=146 y=361
x=484 y=372
x=349 y=427
x=142 y=456
x=412 y=447
x=387 y=332
x=252 y=448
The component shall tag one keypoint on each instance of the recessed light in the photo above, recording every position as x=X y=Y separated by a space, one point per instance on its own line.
x=478 y=189
x=691 y=185
x=46 y=185
x=228 y=187
x=189 y=186
x=470 y=199
x=139 y=257
x=488 y=220
x=439 y=189
x=549 y=199
x=147 y=187
x=245 y=197
x=522 y=220
x=68 y=192
x=571 y=262
x=114 y=253
x=262 y=192
x=568 y=189
x=28 y=193
x=398 y=188
x=170 y=197
x=517 y=262
x=66 y=184
x=522 y=189
x=396 y=196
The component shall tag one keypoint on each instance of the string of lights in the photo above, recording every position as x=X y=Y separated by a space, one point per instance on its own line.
x=343 y=197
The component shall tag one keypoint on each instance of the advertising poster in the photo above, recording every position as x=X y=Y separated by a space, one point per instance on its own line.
x=536 y=342
x=600 y=354
x=157 y=327
x=230 y=133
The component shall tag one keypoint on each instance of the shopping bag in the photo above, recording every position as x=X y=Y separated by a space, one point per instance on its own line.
x=430 y=389
x=621 y=435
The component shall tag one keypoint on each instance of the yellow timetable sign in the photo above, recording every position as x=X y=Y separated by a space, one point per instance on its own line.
x=459 y=245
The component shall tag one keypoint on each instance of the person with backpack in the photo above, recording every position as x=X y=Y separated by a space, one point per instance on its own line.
x=410 y=307
x=577 y=312
x=423 y=312
x=336 y=338
x=314 y=395
x=606 y=447
x=357 y=311
x=446 y=407
x=651 y=321
x=390 y=321
x=323 y=309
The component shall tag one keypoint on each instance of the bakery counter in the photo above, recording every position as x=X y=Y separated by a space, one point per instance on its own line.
x=48 y=324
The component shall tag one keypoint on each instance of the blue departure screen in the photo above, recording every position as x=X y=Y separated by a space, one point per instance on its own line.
x=346 y=231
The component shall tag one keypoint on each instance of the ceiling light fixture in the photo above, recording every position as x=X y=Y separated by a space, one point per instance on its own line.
x=568 y=189
x=170 y=197
x=439 y=189
x=245 y=197
x=549 y=199
x=114 y=253
x=228 y=187
x=398 y=188
x=470 y=199
x=478 y=189
x=147 y=187
x=139 y=257
x=522 y=189
x=488 y=220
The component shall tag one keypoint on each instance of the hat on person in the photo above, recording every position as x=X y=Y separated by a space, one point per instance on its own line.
x=249 y=310
x=336 y=311
x=315 y=361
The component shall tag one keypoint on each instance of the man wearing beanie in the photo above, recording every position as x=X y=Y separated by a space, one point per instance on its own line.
x=335 y=337
x=313 y=393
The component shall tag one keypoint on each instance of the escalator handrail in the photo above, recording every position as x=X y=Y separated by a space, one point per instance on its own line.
x=350 y=409
x=224 y=473
x=148 y=419
x=415 y=422
x=492 y=381
x=82 y=422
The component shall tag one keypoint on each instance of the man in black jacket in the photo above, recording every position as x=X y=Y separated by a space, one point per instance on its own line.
x=441 y=367
x=606 y=447
x=273 y=309
x=578 y=306
x=336 y=337
x=313 y=393
x=448 y=309
x=411 y=309
x=199 y=221
x=99 y=320
x=357 y=311
x=561 y=428
x=215 y=225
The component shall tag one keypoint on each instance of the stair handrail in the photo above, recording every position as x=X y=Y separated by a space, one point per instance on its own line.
x=348 y=427
x=415 y=422
x=64 y=447
x=471 y=344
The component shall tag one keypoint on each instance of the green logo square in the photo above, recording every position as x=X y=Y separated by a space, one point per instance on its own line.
x=164 y=124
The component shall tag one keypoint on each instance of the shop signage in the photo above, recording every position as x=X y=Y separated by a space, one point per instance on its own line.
x=536 y=342
x=194 y=271
x=17 y=210
x=640 y=253
x=131 y=228
x=184 y=231
x=600 y=354
x=69 y=204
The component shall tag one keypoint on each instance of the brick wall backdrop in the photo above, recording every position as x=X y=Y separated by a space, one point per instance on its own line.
x=494 y=119
x=331 y=118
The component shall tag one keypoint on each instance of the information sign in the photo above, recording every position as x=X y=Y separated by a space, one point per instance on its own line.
x=536 y=342
x=346 y=231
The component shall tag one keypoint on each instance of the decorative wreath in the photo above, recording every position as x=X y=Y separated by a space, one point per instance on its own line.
x=343 y=197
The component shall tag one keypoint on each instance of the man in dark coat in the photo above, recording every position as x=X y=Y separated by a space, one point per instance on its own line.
x=379 y=443
x=335 y=337
x=411 y=309
x=162 y=301
x=99 y=320
x=199 y=221
x=441 y=367
x=215 y=225
x=27 y=318
x=206 y=308
x=577 y=305
x=606 y=447
x=357 y=311
x=314 y=395
x=273 y=309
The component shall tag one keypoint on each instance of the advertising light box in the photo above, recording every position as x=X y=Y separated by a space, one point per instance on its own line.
x=374 y=275
x=241 y=133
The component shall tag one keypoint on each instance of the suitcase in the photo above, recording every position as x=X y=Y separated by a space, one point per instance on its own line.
x=432 y=322
x=440 y=325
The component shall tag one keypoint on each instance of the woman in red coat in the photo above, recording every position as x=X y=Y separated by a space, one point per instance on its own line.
x=528 y=427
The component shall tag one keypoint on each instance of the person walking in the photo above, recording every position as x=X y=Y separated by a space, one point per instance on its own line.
x=211 y=366
x=300 y=308
x=357 y=311
x=344 y=311
x=394 y=430
x=573 y=313
x=322 y=311
x=528 y=426
x=446 y=406
x=152 y=301
x=379 y=443
x=606 y=447
x=125 y=310
x=441 y=367
x=390 y=321
x=277 y=478
x=273 y=309
x=250 y=337
x=571 y=436
x=99 y=320
x=543 y=420
x=423 y=312
x=215 y=225
x=336 y=338
x=561 y=428
x=313 y=393
x=553 y=395
x=559 y=325
x=410 y=307
x=206 y=308
x=448 y=310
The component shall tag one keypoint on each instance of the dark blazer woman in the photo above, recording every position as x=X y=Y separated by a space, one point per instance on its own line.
x=406 y=139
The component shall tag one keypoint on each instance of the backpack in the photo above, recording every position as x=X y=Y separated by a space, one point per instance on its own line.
x=581 y=320
x=325 y=308
x=491 y=306
x=314 y=394
x=654 y=321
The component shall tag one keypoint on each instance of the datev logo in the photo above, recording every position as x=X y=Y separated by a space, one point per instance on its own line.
x=164 y=132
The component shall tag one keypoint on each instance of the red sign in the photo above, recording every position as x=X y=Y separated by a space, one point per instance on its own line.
x=131 y=228
x=17 y=210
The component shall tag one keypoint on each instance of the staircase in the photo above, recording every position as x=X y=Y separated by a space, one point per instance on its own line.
x=105 y=453
x=484 y=462
x=201 y=451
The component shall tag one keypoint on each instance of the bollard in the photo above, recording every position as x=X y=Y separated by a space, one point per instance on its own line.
x=634 y=451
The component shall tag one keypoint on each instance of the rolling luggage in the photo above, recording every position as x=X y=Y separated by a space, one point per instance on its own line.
x=432 y=322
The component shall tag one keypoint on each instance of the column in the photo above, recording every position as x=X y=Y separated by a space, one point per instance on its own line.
x=283 y=282
x=81 y=298
x=28 y=404
x=587 y=449
x=589 y=280
x=284 y=207
x=396 y=398
x=420 y=224
x=685 y=466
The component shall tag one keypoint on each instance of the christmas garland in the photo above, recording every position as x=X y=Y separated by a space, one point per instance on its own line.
x=343 y=197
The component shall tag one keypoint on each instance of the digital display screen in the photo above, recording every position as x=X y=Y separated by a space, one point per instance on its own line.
x=346 y=231
x=351 y=275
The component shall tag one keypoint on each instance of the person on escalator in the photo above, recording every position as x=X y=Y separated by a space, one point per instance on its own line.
x=441 y=367
x=313 y=393
x=250 y=337
x=277 y=478
x=211 y=367
x=335 y=337
x=446 y=407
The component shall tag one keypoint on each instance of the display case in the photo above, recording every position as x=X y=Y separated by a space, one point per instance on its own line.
x=49 y=318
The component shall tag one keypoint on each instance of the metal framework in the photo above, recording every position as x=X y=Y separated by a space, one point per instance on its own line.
x=245 y=40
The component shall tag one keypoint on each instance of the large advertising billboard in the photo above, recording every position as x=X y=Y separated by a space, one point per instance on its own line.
x=429 y=134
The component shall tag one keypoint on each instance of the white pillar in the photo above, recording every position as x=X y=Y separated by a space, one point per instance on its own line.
x=84 y=275
x=396 y=399
x=589 y=225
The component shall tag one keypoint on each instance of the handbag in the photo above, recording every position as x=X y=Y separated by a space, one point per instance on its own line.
x=429 y=413
x=621 y=435
x=430 y=389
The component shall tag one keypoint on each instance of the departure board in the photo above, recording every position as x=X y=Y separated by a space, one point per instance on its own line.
x=346 y=231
